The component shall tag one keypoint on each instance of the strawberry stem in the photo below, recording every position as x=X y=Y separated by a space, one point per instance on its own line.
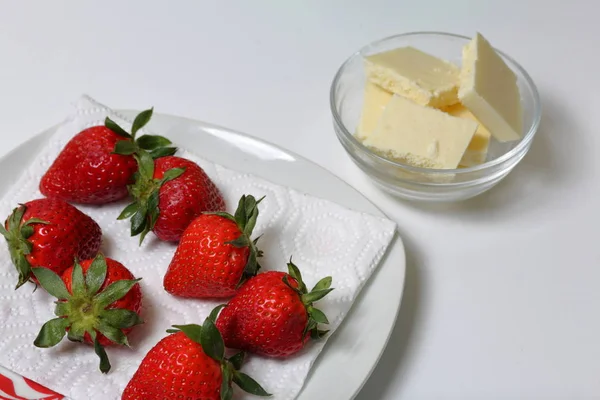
x=85 y=309
x=158 y=146
x=321 y=289
x=140 y=121
x=144 y=211
x=245 y=217
x=209 y=337
x=145 y=149
x=101 y=353
x=17 y=234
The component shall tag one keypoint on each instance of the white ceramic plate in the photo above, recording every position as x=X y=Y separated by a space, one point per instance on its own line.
x=353 y=351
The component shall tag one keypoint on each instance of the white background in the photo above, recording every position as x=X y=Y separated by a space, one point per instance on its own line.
x=502 y=294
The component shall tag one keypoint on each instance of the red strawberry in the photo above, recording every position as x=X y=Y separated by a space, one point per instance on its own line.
x=169 y=193
x=215 y=254
x=190 y=364
x=49 y=233
x=272 y=314
x=99 y=302
x=97 y=164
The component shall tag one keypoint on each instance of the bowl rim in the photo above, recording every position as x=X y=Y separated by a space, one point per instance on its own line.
x=525 y=141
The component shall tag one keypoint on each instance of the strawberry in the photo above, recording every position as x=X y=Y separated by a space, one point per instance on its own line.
x=98 y=302
x=169 y=193
x=97 y=164
x=215 y=254
x=273 y=314
x=190 y=364
x=49 y=233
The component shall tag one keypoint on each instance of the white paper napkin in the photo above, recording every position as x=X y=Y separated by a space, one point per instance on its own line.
x=324 y=238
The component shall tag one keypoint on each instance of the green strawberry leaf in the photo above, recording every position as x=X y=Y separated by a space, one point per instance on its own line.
x=193 y=331
x=51 y=282
x=153 y=201
x=104 y=362
x=251 y=223
x=212 y=341
x=141 y=120
x=144 y=213
x=318 y=315
x=324 y=283
x=240 y=241
x=286 y=280
x=22 y=265
x=240 y=213
x=294 y=272
x=121 y=318
x=215 y=312
x=221 y=214
x=129 y=210
x=14 y=221
x=246 y=214
x=145 y=164
x=312 y=324
x=172 y=174
x=76 y=332
x=96 y=274
x=151 y=212
x=226 y=389
x=163 y=152
x=28 y=246
x=151 y=142
x=249 y=385
x=309 y=298
x=145 y=232
x=26 y=231
x=114 y=292
x=252 y=265
x=36 y=221
x=62 y=309
x=51 y=333
x=125 y=148
x=78 y=283
x=113 y=126
x=138 y=222
x=237 y=360
x=116 y=335
x=317 y=334
x=252 y=214
x=18 y=244
x=154 y=213
x=250 y=206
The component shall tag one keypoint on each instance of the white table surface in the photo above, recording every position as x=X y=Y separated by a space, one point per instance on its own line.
x=502 y=292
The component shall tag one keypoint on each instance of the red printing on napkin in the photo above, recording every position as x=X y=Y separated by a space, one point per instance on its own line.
x=7 y=387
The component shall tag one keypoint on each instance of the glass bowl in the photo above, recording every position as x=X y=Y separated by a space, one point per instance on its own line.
x=415 y=183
